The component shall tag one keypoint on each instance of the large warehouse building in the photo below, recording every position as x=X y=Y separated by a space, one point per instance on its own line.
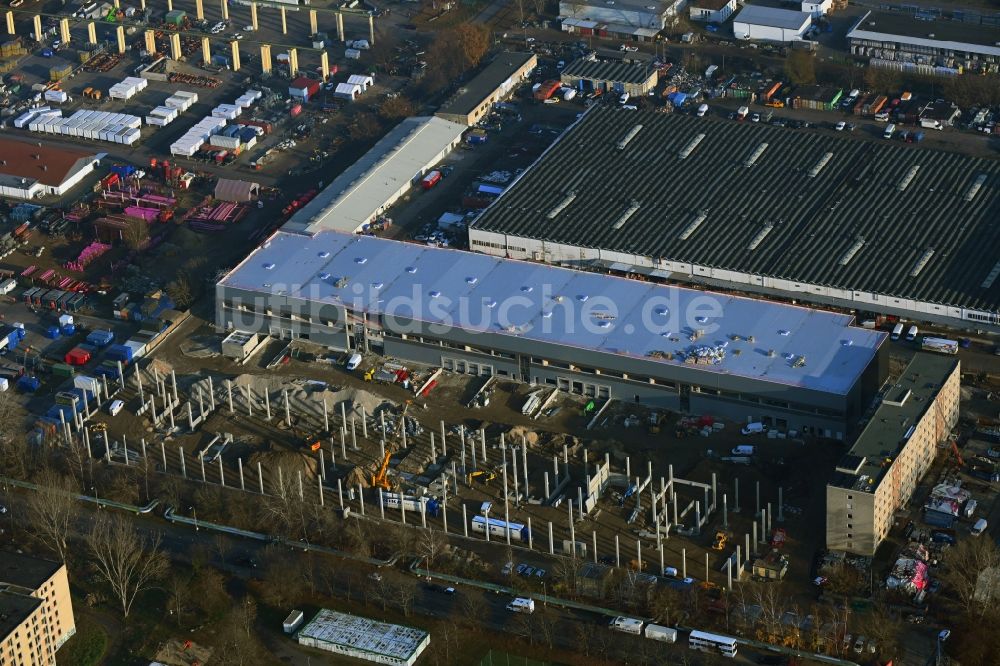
x=902 y=38
x=770 y=24
x=30 y=170
x=810 y=216
x=897 y=446
x=367 y=188
x=595 y=335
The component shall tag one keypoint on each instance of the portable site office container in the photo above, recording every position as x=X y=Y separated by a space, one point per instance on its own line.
x=29 y=295
x=64 y=299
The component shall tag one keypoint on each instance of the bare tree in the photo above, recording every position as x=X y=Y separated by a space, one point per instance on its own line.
x=126 y=561
x=431 y=544
x=179 y=590
x=973 y=573
x=51 y=510
x=404 y=595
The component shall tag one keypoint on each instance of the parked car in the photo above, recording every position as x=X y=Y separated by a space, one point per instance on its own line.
x=521 y=568
x=507 y=568
x=859 y=645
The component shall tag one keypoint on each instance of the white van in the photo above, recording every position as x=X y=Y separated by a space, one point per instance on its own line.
x=743 y=450
x=890 y=129
x=979 y=527
x=702 y=110
x=970 y=508
x=353 y=362
x=115 y=407
x=897 y=332
x=911 y=334
x=753 y=428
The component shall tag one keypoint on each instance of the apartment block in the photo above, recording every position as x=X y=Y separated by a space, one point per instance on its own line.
x=36 y=612
x=894 y=450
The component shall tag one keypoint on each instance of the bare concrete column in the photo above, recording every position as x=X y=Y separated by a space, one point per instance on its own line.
x=12 y=31
x=340 y=494
x=638 y=552
x=284 y=24
x=313 y=23
x=725 y=512
x=225 y=9
x=618 y=553
x=180 y=452
x=229 y=393
x=260 y=478
x=199 y=10
x=239 y=463
x=364 y=423
x=736 y=495
x=340 y=26
x=781 y=503
x=546 y=477
x=371 y=29
x=594 y=535
x=684 y=563
x=120 y=38
x=572 y=528
x=265 y=58
x=163 y=451
x=552 y=546
x=253 y=16
x=293 y=61
x=465 y=523
x=222 y=472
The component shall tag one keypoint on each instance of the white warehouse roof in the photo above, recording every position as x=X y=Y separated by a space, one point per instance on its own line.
x=357 y=195
x=772 y=17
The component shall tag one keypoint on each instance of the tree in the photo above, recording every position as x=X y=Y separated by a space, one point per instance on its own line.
x=127 y=562
x=394 y=108
x=51 y=510
x=431 y=544
x=473 y=41
x=882 y=80
x=972 y=571
x=179 y=290
x=800 y=67
x=364 y=127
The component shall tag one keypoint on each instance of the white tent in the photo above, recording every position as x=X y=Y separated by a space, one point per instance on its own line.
x=347 y=91
x=362 y=80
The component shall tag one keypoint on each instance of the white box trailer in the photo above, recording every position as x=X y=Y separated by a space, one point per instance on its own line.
x=627 y=625
x=657 y=632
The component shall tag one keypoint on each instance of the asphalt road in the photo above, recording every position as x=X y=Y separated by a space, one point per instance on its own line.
x=352 y=582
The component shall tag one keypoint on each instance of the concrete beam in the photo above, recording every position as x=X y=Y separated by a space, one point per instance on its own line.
x=120 y=35
x=37 y=20
x=265 y=58
x=225 y=9
x=10 y=23
x=91 y=33
x=206 y=51
x=293 y=61
x=313 y=22
x=199 y=9
x=150 y=41
x=64 y=30
x=235 y=46
x=324 y=65
x=253 y=16
x=175 y=47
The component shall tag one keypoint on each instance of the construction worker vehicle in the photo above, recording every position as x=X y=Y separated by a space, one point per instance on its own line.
x=484 y=476
x=721 y=539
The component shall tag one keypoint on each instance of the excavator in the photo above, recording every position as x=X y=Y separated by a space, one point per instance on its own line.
x=721 y=538
x=485 y=476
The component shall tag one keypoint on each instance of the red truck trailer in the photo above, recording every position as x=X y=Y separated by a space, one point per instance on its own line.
x=430 y=180
x=547 y=89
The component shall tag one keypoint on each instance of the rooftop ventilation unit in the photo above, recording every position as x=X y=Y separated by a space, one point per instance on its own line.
x=908 y=178
x=761 y=235
x=628 y=137
x=922 y=261
x=976 y=186
x=561 y=206
x=851 y=251
x=691 y=228
x=756 y=155
x=629 y=212
x=689 y=148
x=823 y=161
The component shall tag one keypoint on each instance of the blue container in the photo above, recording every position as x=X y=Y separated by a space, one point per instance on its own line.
x=101 y=338
x=69 y=329
x=52 y=332
x=29 y=384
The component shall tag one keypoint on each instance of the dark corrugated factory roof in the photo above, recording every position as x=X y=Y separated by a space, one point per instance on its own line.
x=813 y=207
x=602 y=70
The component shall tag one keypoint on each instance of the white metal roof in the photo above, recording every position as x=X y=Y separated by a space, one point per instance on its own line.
x=772 y=17
x=357 y=194
x=364 y=635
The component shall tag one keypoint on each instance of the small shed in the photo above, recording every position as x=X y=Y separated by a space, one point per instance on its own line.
x=772 y=566
x=237 y=191
x=348 y=91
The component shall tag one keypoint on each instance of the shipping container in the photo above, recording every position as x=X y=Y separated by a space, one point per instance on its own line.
x=547 y=89
x=430 y=180
x=101 y=338
x=62 y=370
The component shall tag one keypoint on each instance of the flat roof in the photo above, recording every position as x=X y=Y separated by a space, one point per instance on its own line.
x=716 y=333
x=659 y=7
x=885 y=435
x=714 y=5
x=847 y=221
x=604 y=70
x=363 y=634
x=25 y=571
x=772 y=17
x=15 y=608
x=493 y=77
x=355 y=196
x=947 y=34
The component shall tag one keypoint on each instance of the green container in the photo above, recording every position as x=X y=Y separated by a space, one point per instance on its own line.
x=63 y=370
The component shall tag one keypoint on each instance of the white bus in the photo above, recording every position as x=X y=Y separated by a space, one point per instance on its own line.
x=627 y=625
x=712 y=643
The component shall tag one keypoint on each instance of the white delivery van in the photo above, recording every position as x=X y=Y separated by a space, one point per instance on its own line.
x=897 y=332
x=979 y=527
x=743 y=450
x=970 y=508
x=353 y=362
x=753 y=428
x=911 y=334
x=115 y=407
x=702 y=110
x=890 y=129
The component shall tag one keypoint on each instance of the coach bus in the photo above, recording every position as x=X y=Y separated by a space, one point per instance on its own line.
x=712 y=643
